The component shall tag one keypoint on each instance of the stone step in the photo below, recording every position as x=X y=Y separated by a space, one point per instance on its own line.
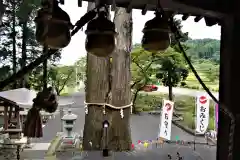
x=38 y=147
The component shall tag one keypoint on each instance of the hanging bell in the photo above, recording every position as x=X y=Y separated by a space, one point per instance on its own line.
x=156 y=34
x=53 y=26
x=100 y=33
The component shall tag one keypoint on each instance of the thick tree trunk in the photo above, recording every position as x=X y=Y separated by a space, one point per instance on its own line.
x=2 y=10
x=120 y=133
x=14 y=54
x=24 y=52
x=97 y=89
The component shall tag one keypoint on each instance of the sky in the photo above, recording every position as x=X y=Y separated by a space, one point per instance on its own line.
x=76 y=48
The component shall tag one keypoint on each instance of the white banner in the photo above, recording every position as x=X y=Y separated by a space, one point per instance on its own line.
x=166 y=120
x=202 y=119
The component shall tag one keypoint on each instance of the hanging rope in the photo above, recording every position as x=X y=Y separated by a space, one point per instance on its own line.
x=109 y=105
x=45 y=100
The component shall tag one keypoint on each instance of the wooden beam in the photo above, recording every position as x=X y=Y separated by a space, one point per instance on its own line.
x=198 y=18
x=179 y=7
x=113 y=6
x=130 y=6
x=185 y=17
x=210 y=21
x=144 y=10
x=62 y=2
x=79 y=3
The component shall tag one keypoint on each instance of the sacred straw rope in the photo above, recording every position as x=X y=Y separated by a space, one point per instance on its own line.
x=109 y=105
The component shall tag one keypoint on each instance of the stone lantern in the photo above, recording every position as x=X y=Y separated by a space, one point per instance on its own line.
x=69 y=138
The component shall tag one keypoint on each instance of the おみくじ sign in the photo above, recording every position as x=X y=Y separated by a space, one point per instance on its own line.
x=202 y=109
x=166 y=120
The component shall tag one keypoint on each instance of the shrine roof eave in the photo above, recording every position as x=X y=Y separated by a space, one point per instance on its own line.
x=8 y=102
x=167 y=5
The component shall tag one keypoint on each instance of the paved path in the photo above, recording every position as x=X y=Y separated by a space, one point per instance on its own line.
x=143 y=127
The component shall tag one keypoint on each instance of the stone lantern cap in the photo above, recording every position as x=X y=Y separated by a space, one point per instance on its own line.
x=69 y=116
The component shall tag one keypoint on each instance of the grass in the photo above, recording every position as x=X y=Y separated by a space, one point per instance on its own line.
x=184 y=105
x=68 y=90
x=193 y=83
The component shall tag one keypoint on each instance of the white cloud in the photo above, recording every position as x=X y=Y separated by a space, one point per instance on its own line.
x=76 y=48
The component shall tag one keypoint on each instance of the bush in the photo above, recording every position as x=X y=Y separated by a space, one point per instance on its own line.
x=148 y=101
x=183 y=104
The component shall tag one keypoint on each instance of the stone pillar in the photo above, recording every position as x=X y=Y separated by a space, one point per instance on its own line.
x=229 y=86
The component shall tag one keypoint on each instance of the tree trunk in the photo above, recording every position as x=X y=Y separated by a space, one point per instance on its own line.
x=170 y=88
x=2 y=10
x=24 y=54
x=135 y=95
x=97 y=89
x=14 y=54
x=119 y=133
x=45 y=75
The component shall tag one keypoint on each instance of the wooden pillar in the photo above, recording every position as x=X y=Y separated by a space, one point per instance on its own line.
x=229 y=87
x=5 y=117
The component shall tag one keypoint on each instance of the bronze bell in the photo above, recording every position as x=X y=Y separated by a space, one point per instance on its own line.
x=100 y=33
x=156 y=34
x=53 y=27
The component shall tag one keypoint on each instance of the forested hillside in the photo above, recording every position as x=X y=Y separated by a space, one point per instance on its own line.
x=208 y=49
x=205 y=55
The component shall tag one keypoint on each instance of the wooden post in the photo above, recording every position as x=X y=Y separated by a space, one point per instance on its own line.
x=5 y=116
x=229 y=87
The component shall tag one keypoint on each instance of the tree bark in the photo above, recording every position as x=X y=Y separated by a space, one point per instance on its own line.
x=14 y=54
x=170 y=92
x=2 y=10
x=24 y=52
x=120 y=133
x=97 y=89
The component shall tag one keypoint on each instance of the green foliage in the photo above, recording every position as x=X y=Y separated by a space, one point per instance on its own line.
x=81 y=66
x=26 y=8
x=141 y=67
x=171 y=68
x=207 y=65
x=208 y=71
x=208 y=49
x=183 y=36
x=61 y=76
x=33 y=48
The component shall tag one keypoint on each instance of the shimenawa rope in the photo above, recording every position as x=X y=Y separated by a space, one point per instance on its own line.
x=109 y=105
